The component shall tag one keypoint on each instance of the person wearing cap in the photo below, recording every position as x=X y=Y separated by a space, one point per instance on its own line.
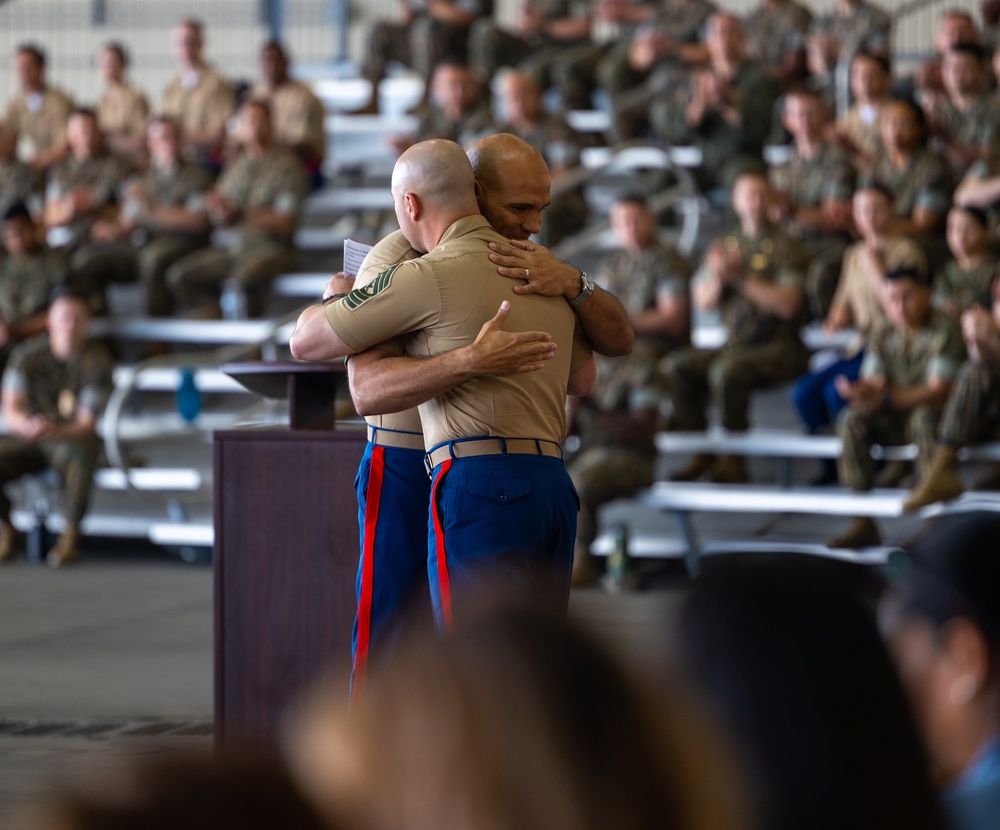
x=500 y=496
x=52 y=393
x=941 y=619
x=907 y=372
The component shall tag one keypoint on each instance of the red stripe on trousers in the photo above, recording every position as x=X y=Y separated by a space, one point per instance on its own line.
x=372 y=500
x=444 y=584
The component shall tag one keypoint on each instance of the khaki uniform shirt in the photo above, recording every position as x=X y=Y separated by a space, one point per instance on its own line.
x=206 y=106
x=858 y=288
x=274 y=181
x=52 y=387
x=123 y=110
x=439 y=302
x=967 y=288
x=39 y=121
x=297 y=115
x=392 y=250
x=860 y=126
x=936 y=351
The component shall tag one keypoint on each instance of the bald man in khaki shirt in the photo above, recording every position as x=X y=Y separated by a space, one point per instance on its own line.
x=500 y=494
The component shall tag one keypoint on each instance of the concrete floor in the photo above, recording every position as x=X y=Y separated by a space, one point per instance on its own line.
x=112 y=658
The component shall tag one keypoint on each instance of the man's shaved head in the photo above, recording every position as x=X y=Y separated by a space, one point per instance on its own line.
x=437 y=171
x=432 y=187
x=514 y=183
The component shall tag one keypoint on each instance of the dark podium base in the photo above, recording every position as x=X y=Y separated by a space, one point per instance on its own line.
x=286 y=554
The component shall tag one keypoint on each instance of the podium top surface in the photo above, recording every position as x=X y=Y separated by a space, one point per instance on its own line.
x=270 y=377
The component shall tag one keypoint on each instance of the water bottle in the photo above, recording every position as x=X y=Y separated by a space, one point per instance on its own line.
x=233 y=302
x=188 y=396
x=618 y=562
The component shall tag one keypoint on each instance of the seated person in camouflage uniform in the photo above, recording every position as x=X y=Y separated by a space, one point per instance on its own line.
x=652 y=58
x=812 y=194
x=161 y=217
x=38 y=112
x=906 y=375
x=853 y=24
x=968 y=278
x=617 y=421
x=19 y=182
x=973 y=409
x=919 y=179
x=965 y=118
x=547 y=39
x=27 y=276
x=857 y=303
x=725 y=109
x=754 y=279
x=52 y=394
x=776 y=37
x=83 y=188
x=859 y=128
x=259 y=195
x=558 y=143
x=457 y=110
x=430 y=31
x=296 y=113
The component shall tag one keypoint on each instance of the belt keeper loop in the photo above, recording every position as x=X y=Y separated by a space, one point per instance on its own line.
x=538 y=447
x=503 y=445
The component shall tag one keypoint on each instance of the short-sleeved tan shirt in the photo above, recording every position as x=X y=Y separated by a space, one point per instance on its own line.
x=392 y=250
x=439 y=302
x=297 y=115
x=205 y=106
x=122 y=110
x=40 y=122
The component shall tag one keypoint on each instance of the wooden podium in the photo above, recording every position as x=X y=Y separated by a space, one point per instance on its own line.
x=286 y=549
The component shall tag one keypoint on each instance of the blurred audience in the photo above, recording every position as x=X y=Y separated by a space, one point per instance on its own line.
x=38 y=112
x=122 y=109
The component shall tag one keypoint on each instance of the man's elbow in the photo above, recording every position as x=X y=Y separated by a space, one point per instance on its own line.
x=620 y=345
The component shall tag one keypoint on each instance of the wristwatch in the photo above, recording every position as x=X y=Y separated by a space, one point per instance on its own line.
x=586 y=289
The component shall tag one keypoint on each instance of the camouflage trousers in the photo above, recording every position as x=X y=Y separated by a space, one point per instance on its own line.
x=973 y=409
x=421 y=46
x=75 y=462
x=729 y=375
x=860 y=431
x=601 y=474
x=826 y=256
x=196 y=280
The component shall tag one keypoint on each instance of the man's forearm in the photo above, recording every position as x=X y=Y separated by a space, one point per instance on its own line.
x=382 y=383
x=605 y=322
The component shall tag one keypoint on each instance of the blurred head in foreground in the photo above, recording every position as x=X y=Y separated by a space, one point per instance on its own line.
x=793 y=664
x=515 y=722
x=941 y=618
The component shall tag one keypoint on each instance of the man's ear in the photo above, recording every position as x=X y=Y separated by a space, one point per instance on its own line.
x=413 y=207
x=479 y=191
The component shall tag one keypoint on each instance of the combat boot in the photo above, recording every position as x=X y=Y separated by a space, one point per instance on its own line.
x=730 y=469
x=695 y=468
x=66 y=548
x=942 y=482
x=862 y=533
x=8 y=540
